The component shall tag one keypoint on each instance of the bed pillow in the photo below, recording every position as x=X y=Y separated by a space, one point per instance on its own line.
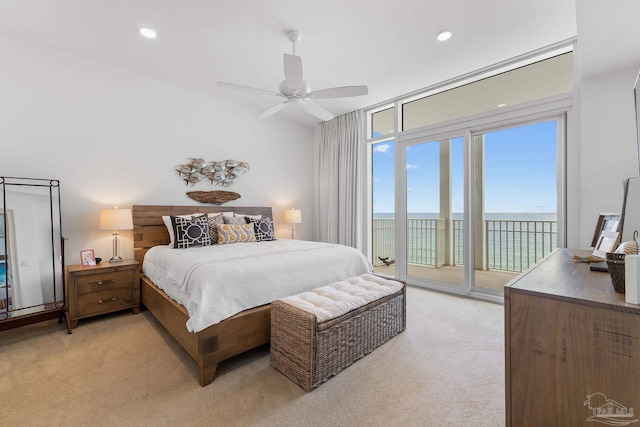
x=189 y=232
x=214 y=220
x=248 y=216
x=235 y=233
x=167 y=223
x=234 y=220
x=263 y=229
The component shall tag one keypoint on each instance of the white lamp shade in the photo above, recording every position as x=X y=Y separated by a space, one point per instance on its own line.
x=293 y=216
x=116 y=219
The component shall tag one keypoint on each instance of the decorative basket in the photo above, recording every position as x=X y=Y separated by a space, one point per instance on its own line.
x=615 y=265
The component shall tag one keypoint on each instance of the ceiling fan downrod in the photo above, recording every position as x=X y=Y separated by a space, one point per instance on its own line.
x=295 y=37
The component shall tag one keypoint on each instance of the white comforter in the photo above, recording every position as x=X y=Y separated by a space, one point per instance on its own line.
x=218 y=281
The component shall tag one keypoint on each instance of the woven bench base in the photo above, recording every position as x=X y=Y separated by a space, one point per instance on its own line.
x=309 y=353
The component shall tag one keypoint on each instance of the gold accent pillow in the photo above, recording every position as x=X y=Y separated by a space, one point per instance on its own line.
x=235 y=233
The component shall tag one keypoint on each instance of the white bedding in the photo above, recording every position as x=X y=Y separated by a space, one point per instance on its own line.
x=218 y=281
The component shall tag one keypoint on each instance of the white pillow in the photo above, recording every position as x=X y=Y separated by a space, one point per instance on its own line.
x=249 y=216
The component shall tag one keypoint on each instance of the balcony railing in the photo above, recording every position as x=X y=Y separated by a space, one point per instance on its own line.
x=509 y=245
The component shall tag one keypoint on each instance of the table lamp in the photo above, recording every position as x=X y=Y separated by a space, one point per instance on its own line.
x=116 y=219
x=293 y=217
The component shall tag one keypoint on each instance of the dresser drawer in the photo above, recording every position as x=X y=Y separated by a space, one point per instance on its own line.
x=105 y=301
x=100 y=282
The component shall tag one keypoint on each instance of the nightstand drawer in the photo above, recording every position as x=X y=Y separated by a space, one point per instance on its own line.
x=105 y=301
x=100 y=282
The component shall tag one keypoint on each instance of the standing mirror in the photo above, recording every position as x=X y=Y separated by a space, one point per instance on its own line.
x=631 y=206
x=31 y=252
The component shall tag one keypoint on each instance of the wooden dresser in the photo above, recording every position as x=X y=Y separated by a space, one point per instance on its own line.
x=102 y=289
x=572 y=347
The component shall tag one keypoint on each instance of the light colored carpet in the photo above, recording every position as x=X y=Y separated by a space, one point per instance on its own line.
x=446 y=369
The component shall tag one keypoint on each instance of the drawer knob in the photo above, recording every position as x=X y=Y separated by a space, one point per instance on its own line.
x=113 y=299
x=100 y=283
x=99 y=301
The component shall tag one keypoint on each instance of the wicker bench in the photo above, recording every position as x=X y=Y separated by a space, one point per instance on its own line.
x=309 y=351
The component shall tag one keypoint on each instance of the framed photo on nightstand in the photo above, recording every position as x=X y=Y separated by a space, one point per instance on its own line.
x=87 y=257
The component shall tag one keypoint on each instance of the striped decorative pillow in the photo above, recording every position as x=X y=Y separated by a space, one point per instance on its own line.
x=235 y=233
x=214 y=221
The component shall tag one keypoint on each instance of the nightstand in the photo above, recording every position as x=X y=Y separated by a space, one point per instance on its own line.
x=106 y=287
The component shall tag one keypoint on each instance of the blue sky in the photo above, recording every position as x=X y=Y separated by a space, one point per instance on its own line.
x=520 y=173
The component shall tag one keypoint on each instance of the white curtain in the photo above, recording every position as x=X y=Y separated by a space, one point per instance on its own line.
x=338 y=180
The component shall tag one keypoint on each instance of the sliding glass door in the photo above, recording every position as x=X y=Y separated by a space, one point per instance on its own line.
x=468 y=211
x=434 y=210
x=516 y=200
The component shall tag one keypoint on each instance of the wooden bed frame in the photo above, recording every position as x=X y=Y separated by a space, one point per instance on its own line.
x=237 y=334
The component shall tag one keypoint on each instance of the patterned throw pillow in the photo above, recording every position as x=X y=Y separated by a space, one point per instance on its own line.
x=234 y=220
x=167 y=222
x=264 y=229
x=214 y=220
x=234 y=233
x=190 y=232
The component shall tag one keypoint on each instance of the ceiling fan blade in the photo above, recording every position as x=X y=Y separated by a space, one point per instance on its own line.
x=293 y=70
x=271 y=111
x=317 y=110
x=248 y=89
x=339 y=92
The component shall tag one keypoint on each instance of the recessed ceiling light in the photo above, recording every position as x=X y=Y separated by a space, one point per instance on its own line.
x=502 y=105
x=148 y=33
x=444 y=35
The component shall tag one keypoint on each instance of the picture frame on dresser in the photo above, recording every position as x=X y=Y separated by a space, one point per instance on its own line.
x=608 y=242
x=609 y=222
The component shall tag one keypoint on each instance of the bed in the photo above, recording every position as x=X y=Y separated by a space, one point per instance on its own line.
x=234 y=334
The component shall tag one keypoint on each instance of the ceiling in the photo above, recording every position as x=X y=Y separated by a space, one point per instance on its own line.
x=390 y=46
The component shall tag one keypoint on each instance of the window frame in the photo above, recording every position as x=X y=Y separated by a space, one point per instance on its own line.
x=557 y=107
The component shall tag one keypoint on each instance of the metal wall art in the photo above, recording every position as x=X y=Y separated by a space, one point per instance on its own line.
x=223 y=172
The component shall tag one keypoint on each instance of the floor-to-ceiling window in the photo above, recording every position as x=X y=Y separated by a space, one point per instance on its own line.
x=435 y=209
x=516 y=217
x=381 y=155
x=383 y=204
x=479 y=178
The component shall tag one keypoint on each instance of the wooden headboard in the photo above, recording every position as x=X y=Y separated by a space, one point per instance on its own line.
x=149 y=229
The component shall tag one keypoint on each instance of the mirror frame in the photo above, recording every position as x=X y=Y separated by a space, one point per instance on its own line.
x=11 y=317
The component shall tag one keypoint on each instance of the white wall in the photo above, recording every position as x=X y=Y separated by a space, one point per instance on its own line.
x=608 y=150
x=113 y=138
x=609 y=61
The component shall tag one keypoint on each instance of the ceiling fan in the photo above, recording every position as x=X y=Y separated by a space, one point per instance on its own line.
x=295 y=90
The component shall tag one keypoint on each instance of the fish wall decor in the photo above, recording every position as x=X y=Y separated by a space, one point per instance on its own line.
x=224 y=172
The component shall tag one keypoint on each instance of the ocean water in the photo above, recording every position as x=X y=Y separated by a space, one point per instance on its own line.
x=516 y=216
x=515 y=243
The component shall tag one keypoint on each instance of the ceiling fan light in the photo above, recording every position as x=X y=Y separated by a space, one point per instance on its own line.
x=444 y=35
x=148 y=33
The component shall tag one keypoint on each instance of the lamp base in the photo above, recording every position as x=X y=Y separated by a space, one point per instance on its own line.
x=115 y=257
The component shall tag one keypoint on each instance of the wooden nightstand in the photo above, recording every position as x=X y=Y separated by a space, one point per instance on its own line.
x=101 y=289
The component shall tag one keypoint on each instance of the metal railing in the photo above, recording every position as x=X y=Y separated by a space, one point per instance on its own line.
x=517 y=245
x=509 y=245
